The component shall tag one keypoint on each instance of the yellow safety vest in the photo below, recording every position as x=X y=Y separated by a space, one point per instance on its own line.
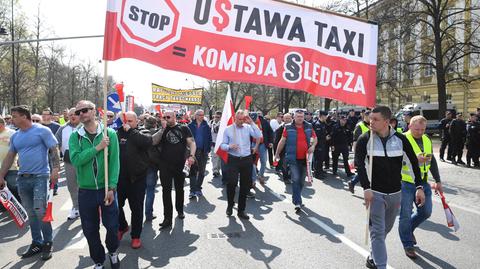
x=399 y=130
x=407 y=174
x=363 y=127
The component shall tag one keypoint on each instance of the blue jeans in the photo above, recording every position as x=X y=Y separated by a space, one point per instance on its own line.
x=33 y=190
x=298 y=172
x=408 y=220
x=197 y=172
x=355 y=180
x=263 y=154
x=11 y=178
x=151 y=183
x=89 y=203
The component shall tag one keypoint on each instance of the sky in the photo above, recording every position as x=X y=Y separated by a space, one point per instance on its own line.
x=64 y=18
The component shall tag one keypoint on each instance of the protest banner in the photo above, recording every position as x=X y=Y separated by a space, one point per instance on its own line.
x=166 y=95
x=254 y=41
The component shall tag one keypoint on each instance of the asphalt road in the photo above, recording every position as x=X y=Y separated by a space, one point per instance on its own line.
x=328 y=233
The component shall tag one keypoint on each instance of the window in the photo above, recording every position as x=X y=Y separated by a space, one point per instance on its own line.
x=426 y=98
x=409 y=98
x=410 y=71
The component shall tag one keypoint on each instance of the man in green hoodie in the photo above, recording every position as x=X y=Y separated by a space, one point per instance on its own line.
x=86 y=146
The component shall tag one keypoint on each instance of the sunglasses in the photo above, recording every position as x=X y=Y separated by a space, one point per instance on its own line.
x=83 y=110
x=167 y=117
x=110 y=116
x=36 y=120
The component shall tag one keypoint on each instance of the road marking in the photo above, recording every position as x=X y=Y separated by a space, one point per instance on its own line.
x=67 y=205
x=331 y=231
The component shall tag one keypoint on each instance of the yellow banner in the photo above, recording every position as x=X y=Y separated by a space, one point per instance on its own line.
x=166 y=95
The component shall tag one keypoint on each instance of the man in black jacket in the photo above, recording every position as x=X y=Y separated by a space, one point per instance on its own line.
x=444 y=127
x=341 y=139
x=134 y=143
x=473 y=143
x=382 y=189
x=265 y=143
x=287 y=118
x=321 y=149
x=458 y=134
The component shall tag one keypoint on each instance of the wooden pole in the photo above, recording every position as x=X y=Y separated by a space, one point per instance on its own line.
x=104 y=120
x=370 y=170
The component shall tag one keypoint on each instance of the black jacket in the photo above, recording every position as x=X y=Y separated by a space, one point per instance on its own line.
x=321 y=131
x=444 y=127
x=458 y=130
x=388 y=158
x=341 y=135
x=134 y=160
x=267 y=131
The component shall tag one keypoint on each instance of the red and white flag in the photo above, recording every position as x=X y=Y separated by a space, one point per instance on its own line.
x=228 y=116
x=451 y=219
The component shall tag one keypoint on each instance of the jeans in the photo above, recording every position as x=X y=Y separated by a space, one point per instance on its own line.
x=355 y=180
x=263 y=154
x=151 y=183
x=33 y=190
x=216 y=161
x=72 y=184
x=298 y=171
x=197 y=174
x=135 y=193
x=11 y=178
x=408 y=220
x=90 y=204
x=383 y=211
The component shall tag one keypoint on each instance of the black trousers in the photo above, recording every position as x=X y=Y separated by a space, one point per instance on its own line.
x=344 y=151
x=239 y=166
x=473 y=154
x=135 y=193
x=270 y=156
x=169 y=174
x=445 y=143
x=318 y=159
x=457 y=150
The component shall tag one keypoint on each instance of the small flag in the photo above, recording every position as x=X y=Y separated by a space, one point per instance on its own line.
x=48 y=214
x=119 y=88
x=248 y=101
x=451 y=219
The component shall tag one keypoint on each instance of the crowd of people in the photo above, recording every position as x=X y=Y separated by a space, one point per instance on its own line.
x=170 y=147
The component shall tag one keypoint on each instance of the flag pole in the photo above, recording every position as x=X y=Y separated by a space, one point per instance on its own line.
x=104 y=120
x=370 y=169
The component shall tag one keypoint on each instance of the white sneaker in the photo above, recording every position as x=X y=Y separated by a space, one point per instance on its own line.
x=74 y=214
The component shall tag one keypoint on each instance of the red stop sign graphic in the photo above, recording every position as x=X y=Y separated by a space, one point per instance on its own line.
x=150 y=24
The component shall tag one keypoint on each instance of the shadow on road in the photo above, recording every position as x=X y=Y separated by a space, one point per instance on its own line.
x=251 y=242
x=423 y=256
x=441 y=229
x=10 y=231
x=158 y=249
x=305 y=220
x=200 y=207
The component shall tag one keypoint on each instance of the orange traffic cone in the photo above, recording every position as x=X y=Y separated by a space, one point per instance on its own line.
x=48 y=214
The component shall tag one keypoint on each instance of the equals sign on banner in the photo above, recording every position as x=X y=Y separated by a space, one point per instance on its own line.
x=179 y=51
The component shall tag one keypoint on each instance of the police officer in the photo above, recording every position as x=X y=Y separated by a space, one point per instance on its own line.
x=407 y=116
x=458 y=134
x=361 y=128
x=473 y=141
x=341 y=138
x=320 y=128
x=444 y=127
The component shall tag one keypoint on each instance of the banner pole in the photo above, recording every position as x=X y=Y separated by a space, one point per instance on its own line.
x=370 y=170
x=104 y=120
